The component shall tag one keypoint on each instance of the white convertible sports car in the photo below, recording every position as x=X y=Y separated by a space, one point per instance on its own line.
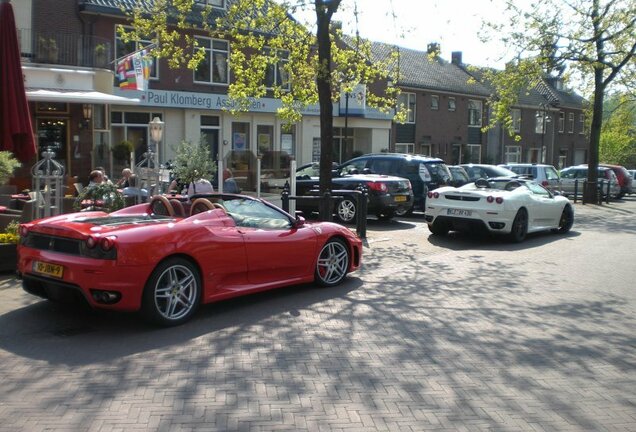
x=511 y=206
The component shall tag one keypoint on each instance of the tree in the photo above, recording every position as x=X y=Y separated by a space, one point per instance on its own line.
x=593 y=38
x=618 y=135
x=192 y=162
x=264 y=36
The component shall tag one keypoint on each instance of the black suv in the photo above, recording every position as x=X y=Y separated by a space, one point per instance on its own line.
x=386 y=193
x=425 y=173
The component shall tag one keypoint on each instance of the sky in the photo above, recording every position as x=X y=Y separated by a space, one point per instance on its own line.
x=455 y=24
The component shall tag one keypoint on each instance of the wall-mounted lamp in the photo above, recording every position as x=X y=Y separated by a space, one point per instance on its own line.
x=87 y=114
x=225 y=142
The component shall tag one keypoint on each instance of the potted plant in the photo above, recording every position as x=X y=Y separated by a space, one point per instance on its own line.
x=8 y=165
x=193 y=162
x=8 y=247
x=104 y=197
x=122 y=151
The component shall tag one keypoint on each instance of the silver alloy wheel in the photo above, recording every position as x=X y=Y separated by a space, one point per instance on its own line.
x=175 y=292
x=332 y=264
x=346 y=210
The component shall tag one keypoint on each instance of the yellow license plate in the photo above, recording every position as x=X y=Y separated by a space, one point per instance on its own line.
x=48 y=269
x=400 y=198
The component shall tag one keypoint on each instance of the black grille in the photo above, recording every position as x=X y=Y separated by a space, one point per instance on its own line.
x=462 y=198
x=55 y=244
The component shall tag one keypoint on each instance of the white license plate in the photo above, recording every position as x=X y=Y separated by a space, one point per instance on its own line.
x=459 y=212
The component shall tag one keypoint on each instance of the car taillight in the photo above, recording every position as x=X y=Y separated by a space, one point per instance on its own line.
x=107 y=243
x=377 y=186
x=490 y=199
x=91 y=242
x=498 y=200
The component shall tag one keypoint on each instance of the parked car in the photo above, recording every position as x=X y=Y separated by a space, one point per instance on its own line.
x=145 y=258
x=477 y=171
x=624 y=179
x=573 y=179
x=459 y=176
x=546 y=175
x=511 y=206
x=633 y=174
x=386 y=194
x=424 y=173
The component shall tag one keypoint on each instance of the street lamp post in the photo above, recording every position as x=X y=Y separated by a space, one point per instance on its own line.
x=150 y=164
x=544 y=122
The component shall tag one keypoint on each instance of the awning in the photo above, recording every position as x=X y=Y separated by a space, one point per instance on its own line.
x=77 y=96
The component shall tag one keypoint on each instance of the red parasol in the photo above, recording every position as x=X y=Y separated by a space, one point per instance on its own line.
x=16 y=133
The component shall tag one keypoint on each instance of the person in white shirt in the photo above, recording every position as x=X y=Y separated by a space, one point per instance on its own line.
x=201 y=186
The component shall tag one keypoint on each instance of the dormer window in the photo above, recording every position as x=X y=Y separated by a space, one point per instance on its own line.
x=219 y=4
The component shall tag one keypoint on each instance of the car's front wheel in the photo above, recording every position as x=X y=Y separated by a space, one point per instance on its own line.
x=346 y=210
x=566 y=221
x=519 y=226
x=173 y=293
x=332 y=263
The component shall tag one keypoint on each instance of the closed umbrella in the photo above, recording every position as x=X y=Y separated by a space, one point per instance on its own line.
x=16 y=133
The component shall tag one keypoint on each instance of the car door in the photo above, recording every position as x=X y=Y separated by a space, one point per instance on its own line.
x=276 y=250
x=545 y=211
x=568 y=177
x=553 y=178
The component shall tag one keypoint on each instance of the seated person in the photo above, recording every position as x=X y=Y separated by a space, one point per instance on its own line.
x=201 y=186
x=125 y=176
x=96 y=177
x=229 y=184
x=133 y=190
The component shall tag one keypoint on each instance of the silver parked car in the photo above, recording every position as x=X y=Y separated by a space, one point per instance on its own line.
x=573 y=178
x=546 y=175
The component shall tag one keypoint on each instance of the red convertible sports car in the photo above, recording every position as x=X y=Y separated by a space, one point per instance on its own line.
x=166 y=257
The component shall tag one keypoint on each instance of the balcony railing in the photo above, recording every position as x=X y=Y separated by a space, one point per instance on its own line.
x=68 y=49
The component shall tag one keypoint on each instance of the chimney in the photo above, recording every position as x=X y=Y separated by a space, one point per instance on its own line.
x=433 y=48
x=456 y=58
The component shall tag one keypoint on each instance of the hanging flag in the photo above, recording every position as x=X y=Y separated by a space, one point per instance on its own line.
x=133 y=71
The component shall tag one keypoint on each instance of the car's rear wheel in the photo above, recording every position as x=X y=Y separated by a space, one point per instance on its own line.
x=346 y=210
x=438 y=228
x=173 y=293
x=566 y=221
x=404 y=211
x=519 y=226
x=332 y=263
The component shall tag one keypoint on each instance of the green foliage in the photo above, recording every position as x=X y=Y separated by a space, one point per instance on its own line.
x=618 y=135
x=192 y=162
x=121 y=151
x=104 y=197
x=264 y=36
x=10 y=234
x=8 y=165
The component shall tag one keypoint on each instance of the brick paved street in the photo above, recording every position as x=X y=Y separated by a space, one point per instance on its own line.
x=448 y=334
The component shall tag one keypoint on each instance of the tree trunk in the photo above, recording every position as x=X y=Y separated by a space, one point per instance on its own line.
x=324 y=11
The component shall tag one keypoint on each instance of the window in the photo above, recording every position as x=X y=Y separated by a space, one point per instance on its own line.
x=561 y=121
x=513 y=154
x=474 y=113
x=581 y=124
x=571 y=123
x=407 y=101
x=213 y=69
x=277 y=73
x=451 y=104
x=434 y=102
x=219 y=4
x=404 y=148
x=473 y=153
x=539 y=126
x=516 y=120
x=425 y=149
x=122 y=49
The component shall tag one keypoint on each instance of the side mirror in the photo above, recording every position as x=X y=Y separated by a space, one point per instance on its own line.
x=300 y=221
